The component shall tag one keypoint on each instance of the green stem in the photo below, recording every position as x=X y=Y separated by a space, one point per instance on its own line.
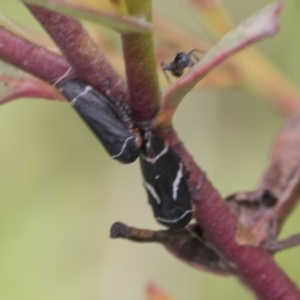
x=140 y=66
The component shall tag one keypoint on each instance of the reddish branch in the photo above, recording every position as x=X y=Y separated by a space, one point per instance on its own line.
x=255 y=267
x=80 y=50
x=31 y=58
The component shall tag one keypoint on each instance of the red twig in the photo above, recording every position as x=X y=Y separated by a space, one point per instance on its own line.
x=256 y=268
x=31 y=58
x=88 y=61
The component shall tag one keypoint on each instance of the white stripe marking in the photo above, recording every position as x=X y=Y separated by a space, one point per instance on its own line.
x=177 y=182
x=154 y=159
x=200 y=182
x=152 y=191
x=123 y=148
x=62 y=77
x=175 y=220
x=85 y=91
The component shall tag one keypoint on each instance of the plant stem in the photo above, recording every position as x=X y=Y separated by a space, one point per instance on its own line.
x=140 y=66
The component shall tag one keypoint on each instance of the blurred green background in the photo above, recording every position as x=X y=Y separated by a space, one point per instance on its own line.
x=60 y=192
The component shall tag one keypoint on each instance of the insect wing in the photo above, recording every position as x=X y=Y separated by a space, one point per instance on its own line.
x=101 y=115
x=166 y=184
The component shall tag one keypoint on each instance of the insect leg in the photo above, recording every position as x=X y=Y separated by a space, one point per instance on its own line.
x=165 y=67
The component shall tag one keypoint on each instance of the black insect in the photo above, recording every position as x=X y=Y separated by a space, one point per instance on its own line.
x=166 y=183
x=105 y=119
x=181 y=61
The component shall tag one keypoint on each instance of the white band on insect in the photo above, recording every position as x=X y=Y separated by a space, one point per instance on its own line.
x=153 y=160
x=152 y=191
x=124 y=146
x=177 y=182
x=85 y=91
x=175 y=220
